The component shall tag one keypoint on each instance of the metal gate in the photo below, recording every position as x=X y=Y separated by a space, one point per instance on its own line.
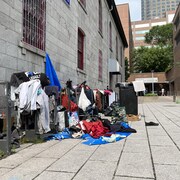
x=5 y=118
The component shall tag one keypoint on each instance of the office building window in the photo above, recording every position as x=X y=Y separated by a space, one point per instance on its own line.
x=141 y=32
x=139 y=38
x=34 y=23
x=100 y=66
x=81 y=36
x=100 y=16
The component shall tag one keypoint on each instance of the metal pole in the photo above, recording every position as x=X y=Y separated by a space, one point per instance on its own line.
x=152 y=81
x=8 y=118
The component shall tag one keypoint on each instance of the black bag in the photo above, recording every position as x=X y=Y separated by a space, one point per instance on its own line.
x=108 y=111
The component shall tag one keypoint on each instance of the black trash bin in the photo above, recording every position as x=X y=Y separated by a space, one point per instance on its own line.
x=128 y=98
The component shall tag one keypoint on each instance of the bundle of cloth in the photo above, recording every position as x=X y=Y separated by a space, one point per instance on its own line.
x=28 y=96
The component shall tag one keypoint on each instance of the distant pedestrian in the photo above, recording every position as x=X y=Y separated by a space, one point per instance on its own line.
x=162 y=92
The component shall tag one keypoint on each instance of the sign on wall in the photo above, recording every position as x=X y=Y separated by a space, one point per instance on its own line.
x=147 y=80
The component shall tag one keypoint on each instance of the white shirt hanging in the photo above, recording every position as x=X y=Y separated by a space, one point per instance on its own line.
x=83 y=100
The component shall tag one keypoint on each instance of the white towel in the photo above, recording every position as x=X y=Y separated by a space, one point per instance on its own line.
x=138 y=86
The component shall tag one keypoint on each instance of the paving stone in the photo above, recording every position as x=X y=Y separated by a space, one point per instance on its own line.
x=141 y=134
x=156 y=131
x=23 y=146
x=178 y=144
x=107 y=153
x=82 y=147
x=136 y=146
x=172 y=128
x=165 y=155
x=160 y=141
x=44 y=145
x=19 y=158
x=47 y=175
x=175 y=136
x=60 y=148
x=135 y=165
x=97 y=170
x=28 y=170
x=167 y=172
x=71 y=162
x=4 y=171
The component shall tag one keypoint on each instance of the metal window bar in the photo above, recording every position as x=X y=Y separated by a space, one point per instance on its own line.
x=100 y=16
x=80 y=50
x=34 y=23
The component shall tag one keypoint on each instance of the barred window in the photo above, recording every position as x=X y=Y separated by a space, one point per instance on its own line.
x=100 y=16
x=81 y=49
x=34 y=23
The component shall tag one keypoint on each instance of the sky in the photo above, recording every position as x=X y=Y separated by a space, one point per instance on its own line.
x=135 y=8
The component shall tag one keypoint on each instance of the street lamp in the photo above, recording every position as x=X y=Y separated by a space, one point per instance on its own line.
x=152 y=71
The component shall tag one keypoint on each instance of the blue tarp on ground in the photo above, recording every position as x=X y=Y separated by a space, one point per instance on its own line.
x=92 y=141
x=51 y=73
x=89 y=140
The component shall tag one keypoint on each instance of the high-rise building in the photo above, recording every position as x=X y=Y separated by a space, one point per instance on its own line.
x=152 y=9
x=140 y=28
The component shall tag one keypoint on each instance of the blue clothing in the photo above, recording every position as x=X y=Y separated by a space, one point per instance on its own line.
x=51 y=73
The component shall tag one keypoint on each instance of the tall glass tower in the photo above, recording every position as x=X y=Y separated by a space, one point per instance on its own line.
x=151 y=9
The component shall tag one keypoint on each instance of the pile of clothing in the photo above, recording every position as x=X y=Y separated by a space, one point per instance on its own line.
x=117 y=112
x=96 y=131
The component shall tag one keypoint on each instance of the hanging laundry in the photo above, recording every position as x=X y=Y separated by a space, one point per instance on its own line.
x=84 y=102
x=138 y=86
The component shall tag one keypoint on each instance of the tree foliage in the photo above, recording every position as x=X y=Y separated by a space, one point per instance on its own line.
x=155 y=58
x=160 y=35
x=127 y=73
x=159 y=57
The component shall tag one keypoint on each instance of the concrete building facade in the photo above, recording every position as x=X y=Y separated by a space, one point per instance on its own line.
x=173 y=75
x=124 y=14
x=152 y=9
x=68 y=31
x=140 y=28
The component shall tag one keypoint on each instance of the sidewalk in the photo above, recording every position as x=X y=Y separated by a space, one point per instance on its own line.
x=151 y=153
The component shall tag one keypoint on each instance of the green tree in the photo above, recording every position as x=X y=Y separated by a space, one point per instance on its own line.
x=127 y=73
x=155 y=58
x=160 y=35
x=159 y=57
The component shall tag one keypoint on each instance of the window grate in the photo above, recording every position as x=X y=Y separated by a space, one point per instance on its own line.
x=80 y=49
x=100 y=16
x=34 y=23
